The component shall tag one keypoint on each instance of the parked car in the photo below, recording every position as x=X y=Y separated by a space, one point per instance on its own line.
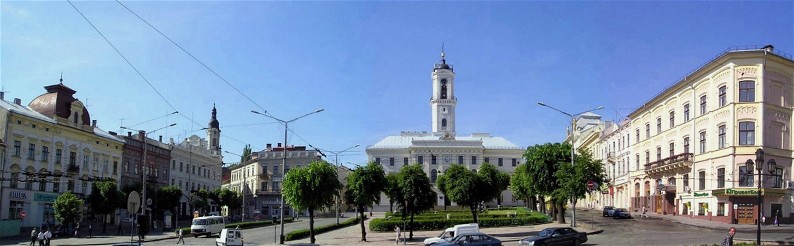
x=60 y=231
x=608 y=211
x=621 y=213
x=556 y=236
x=230 y=237
x=476 y=238
x=451 y=232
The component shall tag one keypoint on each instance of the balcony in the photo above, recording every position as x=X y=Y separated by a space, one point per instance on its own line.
x=612 y=157
x=670 y=163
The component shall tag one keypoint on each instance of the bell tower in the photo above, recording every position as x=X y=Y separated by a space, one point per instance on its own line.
x=214 y=133
x=443 y=101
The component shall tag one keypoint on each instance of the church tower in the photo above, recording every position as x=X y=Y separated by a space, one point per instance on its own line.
x=443 y=101
x=214 y=133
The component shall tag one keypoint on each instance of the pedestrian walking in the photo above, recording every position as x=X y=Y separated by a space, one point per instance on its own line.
x=644 y=212
x=40 y=237
x=179 y=234
x=120 y=229
x=777 y=215
x=47 y=237
x=33 y=236
x=728 y=241
x=77 y=231
x=397 y=240
x=90 y=230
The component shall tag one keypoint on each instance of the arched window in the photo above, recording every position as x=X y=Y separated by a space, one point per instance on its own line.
x=443 y=123
x=433 y=175
x=443 y=88
x=76 y=115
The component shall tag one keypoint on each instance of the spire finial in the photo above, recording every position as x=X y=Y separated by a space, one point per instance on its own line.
x=61 y=77
x=443 y=54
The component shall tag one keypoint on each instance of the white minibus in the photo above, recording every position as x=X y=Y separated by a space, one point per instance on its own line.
x=207 y=225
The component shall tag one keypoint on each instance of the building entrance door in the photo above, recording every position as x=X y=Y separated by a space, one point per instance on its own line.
x=745 y=213
x=659 y=207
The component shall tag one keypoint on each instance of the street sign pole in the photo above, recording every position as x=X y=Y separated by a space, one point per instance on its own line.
x=133 y=204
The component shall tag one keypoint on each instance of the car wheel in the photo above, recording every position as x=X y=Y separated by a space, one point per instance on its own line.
x=195 y=235
x=576 y=242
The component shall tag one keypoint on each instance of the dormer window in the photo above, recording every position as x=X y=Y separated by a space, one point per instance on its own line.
x=443 y=88
x=76 y=116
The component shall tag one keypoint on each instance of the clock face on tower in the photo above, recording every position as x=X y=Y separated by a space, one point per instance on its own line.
x=447 y=159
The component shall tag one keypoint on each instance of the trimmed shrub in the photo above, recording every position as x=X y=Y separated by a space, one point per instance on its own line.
x=243 y=225
x=385 y=225
x=304 y=233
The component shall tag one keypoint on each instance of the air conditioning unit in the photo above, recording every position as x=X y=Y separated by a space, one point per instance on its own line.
x=790 y=185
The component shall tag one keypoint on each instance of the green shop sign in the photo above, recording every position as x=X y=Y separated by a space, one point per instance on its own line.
x=43 y=197
x=698 y=194
x=736 y=192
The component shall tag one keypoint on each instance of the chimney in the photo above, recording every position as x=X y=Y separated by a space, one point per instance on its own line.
x=93 y=123
x=279 y=145
x=129 y=134
x=161 y=138
x=142 y=135
x=18 y=101
x=269 y=147
x=113 y=133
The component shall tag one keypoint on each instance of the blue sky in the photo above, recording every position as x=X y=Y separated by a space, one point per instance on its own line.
x=368 y=64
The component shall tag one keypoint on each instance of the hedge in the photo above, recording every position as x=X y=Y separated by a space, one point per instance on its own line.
x=304 y=233
x=246 y=225
x=386 y=225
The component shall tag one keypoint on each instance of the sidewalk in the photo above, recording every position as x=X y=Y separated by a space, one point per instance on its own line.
x=99 y=238
x=350 y=236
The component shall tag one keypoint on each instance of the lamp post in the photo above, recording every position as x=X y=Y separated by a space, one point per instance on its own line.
x=759 y=160
x=143 y=165
x=284 y=161
x=573 y=149
x=336 y=159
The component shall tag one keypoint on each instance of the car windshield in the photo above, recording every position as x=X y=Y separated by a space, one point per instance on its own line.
x=621 y=210
x=546 y=232
x=200 y=222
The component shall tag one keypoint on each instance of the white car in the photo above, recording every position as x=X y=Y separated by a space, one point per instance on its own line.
x=451 y=232
x=230 y=237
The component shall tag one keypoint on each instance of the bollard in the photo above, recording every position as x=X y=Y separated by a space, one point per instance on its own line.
x=447 y=216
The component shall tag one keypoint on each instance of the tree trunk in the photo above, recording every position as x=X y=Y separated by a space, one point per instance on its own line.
x=311 y=225
x=542 y=204
x=104 y=222
x=361 y=221
x=473 y=210
x=560 y=213
x=391 y=205
x=411 y=226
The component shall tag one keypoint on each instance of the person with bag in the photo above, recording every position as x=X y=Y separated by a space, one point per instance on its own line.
x=179 y=234
x=33 y=236
x=47 y=237
x=40 y=237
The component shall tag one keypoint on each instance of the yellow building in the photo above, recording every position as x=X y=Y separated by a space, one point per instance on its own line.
x=53 y=146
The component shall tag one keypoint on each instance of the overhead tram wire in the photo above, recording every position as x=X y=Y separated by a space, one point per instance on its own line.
x=194 y=57
x=160 y=117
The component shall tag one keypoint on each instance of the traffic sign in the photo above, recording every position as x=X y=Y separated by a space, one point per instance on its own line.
x=590 y=184
x=133 y=202
x=22 y=214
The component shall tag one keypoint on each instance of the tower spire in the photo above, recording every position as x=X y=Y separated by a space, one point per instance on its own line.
x=61 y=77
x=443 y=54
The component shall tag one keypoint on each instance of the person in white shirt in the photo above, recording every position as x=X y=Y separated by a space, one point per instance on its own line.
x=47 y=236
x=41 y=237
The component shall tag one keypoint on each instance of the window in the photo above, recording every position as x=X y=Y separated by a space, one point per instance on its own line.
x=405 y=161
x=58 y=155
x=746 y=133
x=720 y=209
x=702 y=105
x=638 y=162
x=658 y=153
x=702 y=180
x=777 y=178
x=686 y=145
x=702 y=209
x=745 y=177
x=275 y=171
x=42 y=185
x=686 y=112
x=420 y=159
x=721 y=178
x=672 y=149
x=443 y=88
x=443 y=123
x=70 y=185
x=686 y=180
x=723 y=101
x=85 y=162
x=56 y=185
x=628 y=140
x=721 y=136
x=17 y=148
x=702 y=142
x=746 y=91
x=474 y=160
x=672 y=119
x=647 y=130
x=276 y=186
x=638 y=134
x=31 y=151
x=658 y=125
x=115 y=167
x=29 y=185
x=126 y=166
x=96 y=163
x=647 y=157
x=173 y=164
x=500 y=162
x=460 y=159
x=391 y=161
x=487 y=160
x=432 y=159
x=45 y=153
x=15 y=180
x=433 y=175
x=514 y=162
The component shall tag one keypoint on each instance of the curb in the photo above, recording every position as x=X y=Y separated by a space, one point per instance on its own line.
x=106 y=243
x=737 y=240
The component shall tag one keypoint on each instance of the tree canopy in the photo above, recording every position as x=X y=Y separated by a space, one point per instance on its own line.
x=416 y=192
x=311 y=188
x=364 y=187
x=67 y=207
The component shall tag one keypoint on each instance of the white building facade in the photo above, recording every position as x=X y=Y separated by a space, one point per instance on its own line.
x=442 y=147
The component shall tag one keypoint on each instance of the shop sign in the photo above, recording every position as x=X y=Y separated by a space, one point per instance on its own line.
x=741 y=192
x=699 y=194
x=17 y=195
x=43 y=197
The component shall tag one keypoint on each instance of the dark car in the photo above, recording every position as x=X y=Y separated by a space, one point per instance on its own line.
x=556 y=236
x=608 y=211
x=60 y=231
x=621 y=213
x=477 y=238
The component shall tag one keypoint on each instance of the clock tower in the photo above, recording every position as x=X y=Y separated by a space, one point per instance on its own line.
x=443 y=101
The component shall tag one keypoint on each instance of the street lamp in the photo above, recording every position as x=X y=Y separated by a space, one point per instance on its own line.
x=284 y=161
x=336 y=159
x=143 y=165
x=759 y=158
x=573 y=149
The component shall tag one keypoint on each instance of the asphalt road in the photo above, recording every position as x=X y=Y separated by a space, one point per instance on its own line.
x=645 y=231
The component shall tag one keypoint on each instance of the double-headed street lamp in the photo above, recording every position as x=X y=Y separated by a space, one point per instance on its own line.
x=573 y=149
x=143 y=164
x=284 y=161
x=336 y=159
x=759 y=160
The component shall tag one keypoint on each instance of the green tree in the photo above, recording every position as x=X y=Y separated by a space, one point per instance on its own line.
x=169 y=197
x=543 y=162
x=364 y=186
x=246 y=154
x=495 y=181
x=67 y=207
x=393 y=191
x=103 y=199
x=311 y=188
x=417 y=193
x=574 y=179
x=441 y=183
x=202 y=203
x=466 y=188
x=520 y=186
